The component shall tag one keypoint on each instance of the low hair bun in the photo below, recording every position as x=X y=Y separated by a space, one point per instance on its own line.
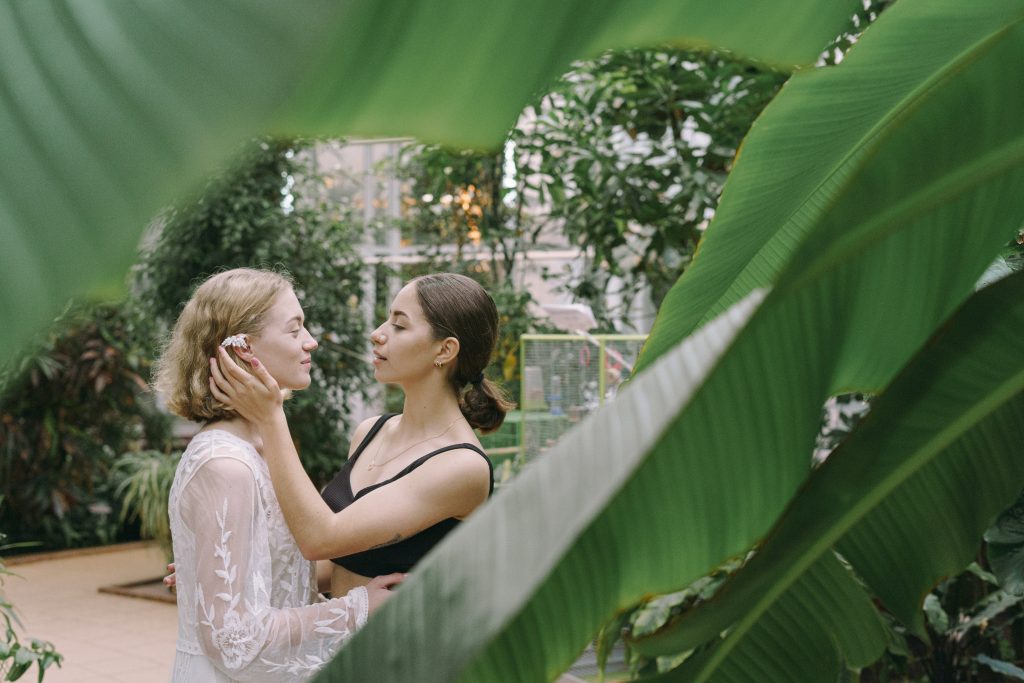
x=484 y=405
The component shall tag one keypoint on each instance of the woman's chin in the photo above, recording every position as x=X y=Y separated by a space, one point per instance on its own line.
x=297 y=384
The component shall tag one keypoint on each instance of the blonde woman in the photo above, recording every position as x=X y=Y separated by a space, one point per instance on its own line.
x=248 y=607
x=410 y=478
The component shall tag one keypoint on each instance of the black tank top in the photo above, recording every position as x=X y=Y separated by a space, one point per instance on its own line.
x=401 y=556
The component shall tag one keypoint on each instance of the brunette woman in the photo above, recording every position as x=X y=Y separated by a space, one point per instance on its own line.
x=410 y=477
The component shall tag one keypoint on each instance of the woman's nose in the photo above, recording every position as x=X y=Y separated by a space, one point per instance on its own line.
x=312 y=344
x=378 y=337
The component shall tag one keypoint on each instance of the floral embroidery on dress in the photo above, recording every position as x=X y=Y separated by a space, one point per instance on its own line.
x=237 y=638
x=248 y=607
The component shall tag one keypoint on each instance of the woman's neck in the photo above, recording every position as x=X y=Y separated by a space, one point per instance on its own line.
x=238 y=426
x=427 y=406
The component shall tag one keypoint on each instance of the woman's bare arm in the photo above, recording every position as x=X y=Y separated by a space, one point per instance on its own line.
x=438 y=490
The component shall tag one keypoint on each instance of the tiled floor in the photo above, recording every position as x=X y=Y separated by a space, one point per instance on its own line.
x=102 y=637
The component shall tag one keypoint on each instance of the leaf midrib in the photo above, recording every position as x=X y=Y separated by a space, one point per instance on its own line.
x=872 y=140
x=816 y=544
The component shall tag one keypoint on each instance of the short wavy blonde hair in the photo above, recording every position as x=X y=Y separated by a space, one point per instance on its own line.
x=232 y=302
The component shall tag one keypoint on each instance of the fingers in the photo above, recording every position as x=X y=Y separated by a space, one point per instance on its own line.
x=229 y=370
x=390 y=580
x=263 y=375
x=217 y=373
x=215 y=385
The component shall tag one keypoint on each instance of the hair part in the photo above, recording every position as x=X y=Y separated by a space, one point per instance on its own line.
x=231 y=302
x=457 y=306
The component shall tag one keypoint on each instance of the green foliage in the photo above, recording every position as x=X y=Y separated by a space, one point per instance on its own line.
x=818 y=276
x=100 y=149
x=867 y=12
x=461 y=198
x=972 y=628
x=144 y=485
x=67 y=410
x=630 y=151
x=16 y=658
x=267 y=214
x=1005 y=544
x=464 y=198
x=652 y=614
x=626 y=156
x=856 y=188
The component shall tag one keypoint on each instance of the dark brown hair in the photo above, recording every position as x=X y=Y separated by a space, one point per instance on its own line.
x=457 y=306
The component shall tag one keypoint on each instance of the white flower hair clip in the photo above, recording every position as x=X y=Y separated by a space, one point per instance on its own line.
x=236 y=340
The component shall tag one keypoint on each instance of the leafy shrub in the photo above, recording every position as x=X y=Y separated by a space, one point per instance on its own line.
x=265 y=214
x=66 y=411
x=144 y=481
x=15 y=657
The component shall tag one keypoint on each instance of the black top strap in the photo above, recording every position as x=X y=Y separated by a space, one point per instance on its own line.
x=377 y=426
x=455 y=446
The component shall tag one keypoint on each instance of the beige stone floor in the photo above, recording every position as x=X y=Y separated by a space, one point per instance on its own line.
x=102 y=637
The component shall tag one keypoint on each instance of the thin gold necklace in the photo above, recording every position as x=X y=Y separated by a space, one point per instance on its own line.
x=373 y=461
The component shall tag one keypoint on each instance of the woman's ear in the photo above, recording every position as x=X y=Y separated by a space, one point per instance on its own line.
x=449 y=350
x=244 y=353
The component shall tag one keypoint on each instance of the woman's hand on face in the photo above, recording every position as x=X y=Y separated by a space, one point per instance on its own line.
x=378 y=589
x=256 y=397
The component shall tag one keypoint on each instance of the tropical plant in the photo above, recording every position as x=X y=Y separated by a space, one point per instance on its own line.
x=66 y=410
x=817 y=276
x=266 y=212
x=16 y=658
x=144 y=481
x=461 y=198
x=972 y=628
x=100 y=153
x=863 y=207
x=629 y=152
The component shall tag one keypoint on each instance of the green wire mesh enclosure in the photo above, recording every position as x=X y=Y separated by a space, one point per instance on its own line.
x=565 y=377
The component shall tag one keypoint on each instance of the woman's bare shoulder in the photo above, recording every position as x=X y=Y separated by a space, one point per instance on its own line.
x=360 y=433
x=459 y=467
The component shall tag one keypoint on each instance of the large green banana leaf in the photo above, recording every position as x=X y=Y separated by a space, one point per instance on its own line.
x=906 y=498
x=610 y=515
x=824 y=622
x=925 y=109
x=516 y=592
x=109 y=110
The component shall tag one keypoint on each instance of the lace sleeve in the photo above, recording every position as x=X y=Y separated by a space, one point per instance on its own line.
x=239 y=631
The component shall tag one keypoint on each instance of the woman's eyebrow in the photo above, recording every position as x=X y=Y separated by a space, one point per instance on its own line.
x=294 y=319
x=397 y=313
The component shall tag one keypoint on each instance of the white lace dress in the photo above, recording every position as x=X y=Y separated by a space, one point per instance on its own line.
x=248 y=609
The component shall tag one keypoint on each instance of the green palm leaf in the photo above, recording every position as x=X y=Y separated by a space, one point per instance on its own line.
x=640 y=500
x=111 y=110
x=905 y=498
x=516 y=592
x=811 y=632
x=918 y=127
